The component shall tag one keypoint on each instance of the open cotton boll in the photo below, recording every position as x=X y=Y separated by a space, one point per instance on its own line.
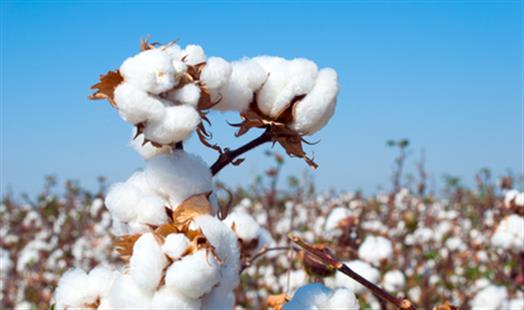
x=219 y=298
x=189 y=94
x=335 y=217
x=394 y=281
x=178 y=176
x=194 y=275
x=313 y=112
x=177 y=125
x=139 y=180
x=375 y=249
x=147 y=150
x=147 y=262
x=135 y=105
x=166 y=298
x=245 y=226
x=150 y=71
x=194 y=54
x=100 y=280
x=73 y=290
x=364 y=269
x=126 y=294
x=491 y=297
x=151 y=210
x=175 y=245
x=121 y=201
x=310 y=296
x=216 y=73
x=174 y=51
x=250 y=72
x=342 y=298
x=510 y=233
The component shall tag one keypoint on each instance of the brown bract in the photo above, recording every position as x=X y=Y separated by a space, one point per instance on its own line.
x=105 y=89
x=276 y=302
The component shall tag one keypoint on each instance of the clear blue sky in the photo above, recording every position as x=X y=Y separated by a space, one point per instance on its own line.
x=445 y=74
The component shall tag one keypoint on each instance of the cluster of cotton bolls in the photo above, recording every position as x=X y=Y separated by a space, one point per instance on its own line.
x=168 y=272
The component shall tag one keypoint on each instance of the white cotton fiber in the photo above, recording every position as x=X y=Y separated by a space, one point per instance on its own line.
x=245 y=226
x=194 y=54
x=335 y=217
x=147 y=150
x=364 y=269
x=150 y=71
x=247 y=76
x=194 y=275
x=491 y=297
x=216 y=73
x=166 y=298
x=135 y=105
x=394 y=281
x=510 y=233
x=375 y=249
x=73 y=290
x=310 y=296
x=343 y=298
x=121 y=200
x=175 y=245
x=189 y=94
x=174 y=51
x=313 y=112
x=100 y=280
x=139 y=180
x=147 y=263
x=151 y=210
x=178 y=176
x=126 y=294
x=177 y=125
x=219 y=298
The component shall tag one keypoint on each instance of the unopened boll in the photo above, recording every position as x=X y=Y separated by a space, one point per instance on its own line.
x=151 y=71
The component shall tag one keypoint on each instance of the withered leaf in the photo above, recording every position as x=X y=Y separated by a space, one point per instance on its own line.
x=124 y=245
x=276 y=302
x=190 y=208
x=105 y=89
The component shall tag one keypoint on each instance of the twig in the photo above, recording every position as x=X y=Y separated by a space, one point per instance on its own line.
x=260 y=253
x=331 y=262
x=228 y=156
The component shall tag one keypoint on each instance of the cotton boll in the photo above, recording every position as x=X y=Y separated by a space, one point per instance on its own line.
x=189 y=94
x=121 y=201
x=100 y=280
x=277 y=69
x=194 y=275
x=175 y=245
x=335 y=217
x=147 y=263
x=313 y=112
x=375 y=249
x=147 y=150
x=166 y=298
x=216 y=73
x=174 y=51
x=178 y=176
x=135 y=105
x=394 y=281
x=177 y=125
x=219 y=298
x=510 y=233
x=139 y=180
x=151 y=210
x=364 y=269
x=491 y=297
x=249 y=71
x=73 y=290
x=235 y=96
x=245 y=226
x=310 y=296
x=126 y=294
x=194 y=54
x=343 y=298
x=150 y=71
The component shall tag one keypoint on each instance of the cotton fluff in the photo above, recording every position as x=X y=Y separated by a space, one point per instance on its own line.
x=178 y=176
x=147 y=262
x=491 y=297
x=364 y=269
x=126 y=294
x=510 y=233
x=318 y=296
x=73 y=290
x=121 y=201
x=151 y=71
x=100 y=280
x=151 y=210
x=335 y=217
x=375 y=249
x=147 y=150
x=514 y=197
x=188 y=94
x=166 y=298
x=194 y=54
x=394 y=281
x=247 y=76
x=247 y=229
x=287 y=79
x=216 y=73
x=175 y=245
x=313 y=112
x=135 y=105
x=194 y=275
x=177 y=124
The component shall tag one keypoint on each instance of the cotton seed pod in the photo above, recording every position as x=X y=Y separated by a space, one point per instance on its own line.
x=315 y=266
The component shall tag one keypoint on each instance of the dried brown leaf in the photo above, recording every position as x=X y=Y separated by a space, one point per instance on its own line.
x=105 y=89
x=190 y=208
x=276 y=302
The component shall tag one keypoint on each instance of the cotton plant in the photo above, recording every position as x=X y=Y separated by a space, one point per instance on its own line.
x=176 y=252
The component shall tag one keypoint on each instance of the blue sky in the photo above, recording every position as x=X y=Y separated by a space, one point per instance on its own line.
x=445 y=74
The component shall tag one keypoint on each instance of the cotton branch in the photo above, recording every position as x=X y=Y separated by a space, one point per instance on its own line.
x=228 y=156
x=261 y=253
x=331 y=262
